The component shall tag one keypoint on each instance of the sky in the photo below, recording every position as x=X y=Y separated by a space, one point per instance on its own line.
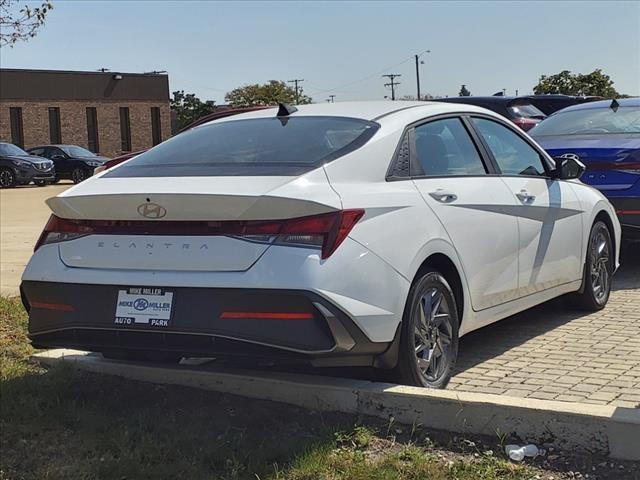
x=341 y=48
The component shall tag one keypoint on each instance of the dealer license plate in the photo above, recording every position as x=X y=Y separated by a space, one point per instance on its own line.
x=142 y=306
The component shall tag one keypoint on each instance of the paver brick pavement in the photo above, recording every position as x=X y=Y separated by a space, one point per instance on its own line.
x=554 y=353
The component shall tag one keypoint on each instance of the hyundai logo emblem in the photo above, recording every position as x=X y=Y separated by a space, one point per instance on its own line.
x=152 y=210
x=140 y=304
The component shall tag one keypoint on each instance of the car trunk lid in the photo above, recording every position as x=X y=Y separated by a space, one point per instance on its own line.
x=163 y=223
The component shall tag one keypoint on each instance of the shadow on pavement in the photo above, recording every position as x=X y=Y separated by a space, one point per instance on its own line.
x=494 y=340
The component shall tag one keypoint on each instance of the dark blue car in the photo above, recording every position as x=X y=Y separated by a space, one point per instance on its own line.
x=606 y=137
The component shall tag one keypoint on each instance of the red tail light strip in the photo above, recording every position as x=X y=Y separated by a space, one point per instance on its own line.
x=333 y=227
x=628 y=212
x=60 y=307
x=267 y=315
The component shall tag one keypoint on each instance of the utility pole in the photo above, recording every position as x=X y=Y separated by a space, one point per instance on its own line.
x=295 y=81
x=392 y=83
x=418 y=62
x=332 y=97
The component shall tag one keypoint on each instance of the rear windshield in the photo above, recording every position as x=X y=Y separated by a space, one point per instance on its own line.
x=253 y=147
x=590 y=121
x=526 y=111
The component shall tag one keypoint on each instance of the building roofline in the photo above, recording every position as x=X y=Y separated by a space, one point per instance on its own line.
x=83 y=72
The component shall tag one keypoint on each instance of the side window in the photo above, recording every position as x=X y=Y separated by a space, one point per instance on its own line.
x=513 y=155
x=443 y=148
x=52 y=152
x=37 y=151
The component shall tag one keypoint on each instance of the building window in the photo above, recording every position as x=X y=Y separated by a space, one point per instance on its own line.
x=92 y=130
x=55 y=135
x=156 y=130
x=125 y=129
x=17 y=134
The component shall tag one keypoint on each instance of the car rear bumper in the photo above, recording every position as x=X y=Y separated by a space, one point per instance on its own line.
x=628 y=210
x=83 y=316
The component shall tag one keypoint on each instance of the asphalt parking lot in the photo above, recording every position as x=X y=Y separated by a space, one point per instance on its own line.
x=23 y=213
x=548 y=352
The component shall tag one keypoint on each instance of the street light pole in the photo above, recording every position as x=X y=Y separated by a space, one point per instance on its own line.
x=417 y=57
x=417 y=77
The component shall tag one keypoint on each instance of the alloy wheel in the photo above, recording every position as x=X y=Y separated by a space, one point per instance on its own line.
x=78 y=175
x=600 y=271
x=6 y=179
x=433 y=334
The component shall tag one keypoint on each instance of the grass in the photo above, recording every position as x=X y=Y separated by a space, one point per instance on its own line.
x=62 y=423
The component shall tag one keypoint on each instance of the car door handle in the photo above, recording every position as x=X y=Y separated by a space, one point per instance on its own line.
x=443 y=196
x=525 y=196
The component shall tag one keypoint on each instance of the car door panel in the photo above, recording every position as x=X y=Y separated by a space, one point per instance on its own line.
x=483 y=232
x=550 y=223
x=547 y=209
x=472 y=207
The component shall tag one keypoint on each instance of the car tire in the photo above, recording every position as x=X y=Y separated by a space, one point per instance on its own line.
x=429 y=333
x=80 y=174
x=142 y=356
x=40 y=183
x=598 y=270
x=7 y=178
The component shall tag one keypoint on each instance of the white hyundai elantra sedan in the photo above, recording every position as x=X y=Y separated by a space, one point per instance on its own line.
x=368 y=234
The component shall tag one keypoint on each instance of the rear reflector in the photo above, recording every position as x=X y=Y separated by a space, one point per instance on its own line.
x=326 y=231
x=267 y=315
x=60 y=307
x=628 y=212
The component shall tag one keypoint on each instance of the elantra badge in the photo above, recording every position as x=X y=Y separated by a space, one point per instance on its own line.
x=152 y=210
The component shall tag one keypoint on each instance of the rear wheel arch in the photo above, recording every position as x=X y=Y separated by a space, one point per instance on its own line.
x=449 y=271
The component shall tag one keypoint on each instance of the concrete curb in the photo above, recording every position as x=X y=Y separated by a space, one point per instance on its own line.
x=607 y=430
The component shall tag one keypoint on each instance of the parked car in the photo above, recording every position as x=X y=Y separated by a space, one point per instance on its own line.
x=519 y=110
x=605 y=136
x=17 y=167
x=71 y=161
x=222 y=113
x=363 y=233
x=551 y=103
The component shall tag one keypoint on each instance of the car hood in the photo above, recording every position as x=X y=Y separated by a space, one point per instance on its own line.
x=26 y=158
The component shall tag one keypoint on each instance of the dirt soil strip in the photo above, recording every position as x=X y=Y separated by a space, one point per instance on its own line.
x=570 y=426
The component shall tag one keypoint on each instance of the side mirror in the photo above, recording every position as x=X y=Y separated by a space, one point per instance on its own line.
x=569 y=166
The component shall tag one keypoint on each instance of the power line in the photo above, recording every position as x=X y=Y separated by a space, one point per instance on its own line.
x=392 y=83
x=365 y=78
x=295 y=81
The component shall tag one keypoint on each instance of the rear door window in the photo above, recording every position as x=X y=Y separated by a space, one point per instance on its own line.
x=252 y=147
x=444 y=148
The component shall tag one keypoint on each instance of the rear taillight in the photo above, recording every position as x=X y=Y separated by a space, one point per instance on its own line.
x=325 y=231
x=60 y=230
x=526 y=124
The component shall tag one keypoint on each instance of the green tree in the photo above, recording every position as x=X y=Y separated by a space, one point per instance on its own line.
x=464 y=92
x=567 y=83
x=270 y=93
x=20 y=24
x=189 y=108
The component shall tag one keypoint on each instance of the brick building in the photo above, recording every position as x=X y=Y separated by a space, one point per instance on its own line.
x=108 y=113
